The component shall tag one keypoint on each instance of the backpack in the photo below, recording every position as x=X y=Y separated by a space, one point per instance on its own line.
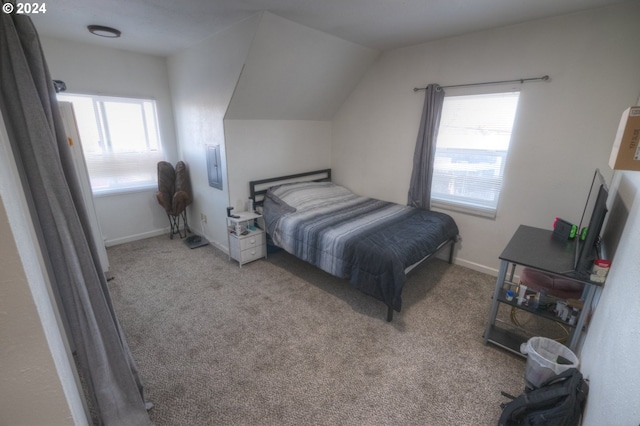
x=558 y=401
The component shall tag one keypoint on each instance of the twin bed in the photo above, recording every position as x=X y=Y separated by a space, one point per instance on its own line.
x=371 y=243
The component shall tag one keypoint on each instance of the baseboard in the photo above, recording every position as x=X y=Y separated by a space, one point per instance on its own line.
x=219 y=246
x=216 y=244
x=444 y=255
x=212 y=242
x=136 y=237
x=155 y=233
x=475 y=266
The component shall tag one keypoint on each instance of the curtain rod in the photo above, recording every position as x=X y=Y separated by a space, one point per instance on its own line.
x=520 y=80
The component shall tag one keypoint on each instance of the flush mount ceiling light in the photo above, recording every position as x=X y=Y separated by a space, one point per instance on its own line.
x=103 y=31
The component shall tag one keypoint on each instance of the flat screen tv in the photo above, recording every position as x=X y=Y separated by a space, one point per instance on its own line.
x=595 y=210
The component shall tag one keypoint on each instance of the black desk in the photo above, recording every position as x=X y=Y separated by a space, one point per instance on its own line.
x=538 y=249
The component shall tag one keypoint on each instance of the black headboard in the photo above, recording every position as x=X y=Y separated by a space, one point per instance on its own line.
x=259 y=187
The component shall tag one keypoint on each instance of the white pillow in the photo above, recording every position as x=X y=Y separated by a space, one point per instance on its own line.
x=309 y=195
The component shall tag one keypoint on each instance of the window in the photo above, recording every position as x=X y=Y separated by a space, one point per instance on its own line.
x=120 y=141
x=471 y=151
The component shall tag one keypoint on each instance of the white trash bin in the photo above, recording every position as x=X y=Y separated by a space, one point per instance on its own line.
x=542 y=360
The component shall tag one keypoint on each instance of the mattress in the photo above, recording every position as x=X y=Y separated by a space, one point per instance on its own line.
x=367 y=241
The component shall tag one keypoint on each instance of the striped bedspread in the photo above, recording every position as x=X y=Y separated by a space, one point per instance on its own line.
x=367 y=241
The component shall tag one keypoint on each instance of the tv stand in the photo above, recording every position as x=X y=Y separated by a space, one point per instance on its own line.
x=538 y=249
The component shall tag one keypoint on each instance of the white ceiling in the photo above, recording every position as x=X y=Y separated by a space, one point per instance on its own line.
x=163 y=27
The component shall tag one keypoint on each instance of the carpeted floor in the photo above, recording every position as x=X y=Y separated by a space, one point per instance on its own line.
x=279 y=342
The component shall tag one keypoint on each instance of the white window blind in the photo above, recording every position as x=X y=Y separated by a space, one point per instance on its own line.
x=471 y=150
x=120 y=141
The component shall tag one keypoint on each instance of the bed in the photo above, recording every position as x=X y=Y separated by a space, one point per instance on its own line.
x=372 y=243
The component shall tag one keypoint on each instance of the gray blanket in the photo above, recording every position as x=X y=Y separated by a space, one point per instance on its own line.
x=367 y=241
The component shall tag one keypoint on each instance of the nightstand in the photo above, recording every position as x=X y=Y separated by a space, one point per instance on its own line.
x=246 y=237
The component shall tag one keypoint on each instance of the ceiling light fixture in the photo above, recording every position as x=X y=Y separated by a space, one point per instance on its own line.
x=103 y=31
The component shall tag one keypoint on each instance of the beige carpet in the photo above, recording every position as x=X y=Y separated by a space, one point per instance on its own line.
x=279 y=342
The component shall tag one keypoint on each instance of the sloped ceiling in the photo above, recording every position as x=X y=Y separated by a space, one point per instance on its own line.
x=294 y=72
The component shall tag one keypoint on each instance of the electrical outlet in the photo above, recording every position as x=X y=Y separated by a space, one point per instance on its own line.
x=203 y=217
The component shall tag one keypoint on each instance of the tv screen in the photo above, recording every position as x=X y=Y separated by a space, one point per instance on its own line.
x=593 y=216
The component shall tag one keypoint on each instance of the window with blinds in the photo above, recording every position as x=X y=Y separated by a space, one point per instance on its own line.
x=120 y=141
x=471 y=151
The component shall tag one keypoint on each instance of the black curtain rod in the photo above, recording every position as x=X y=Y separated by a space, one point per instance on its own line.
x=520 y=80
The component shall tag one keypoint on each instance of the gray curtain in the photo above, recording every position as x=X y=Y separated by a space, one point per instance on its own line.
x=425 y=151
x=30 y=111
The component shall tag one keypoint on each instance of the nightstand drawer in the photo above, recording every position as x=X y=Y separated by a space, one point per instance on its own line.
x=252 y=253
x=252 y=240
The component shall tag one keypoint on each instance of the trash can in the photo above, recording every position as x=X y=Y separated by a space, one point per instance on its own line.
x=545 y=359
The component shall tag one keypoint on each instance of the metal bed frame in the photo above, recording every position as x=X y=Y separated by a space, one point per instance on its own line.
x=258 y=189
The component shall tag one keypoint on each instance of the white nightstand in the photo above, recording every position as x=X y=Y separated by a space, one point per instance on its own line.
x=246 y=237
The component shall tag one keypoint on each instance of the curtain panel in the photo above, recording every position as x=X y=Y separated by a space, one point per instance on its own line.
x=425 y=150
x=38 y=140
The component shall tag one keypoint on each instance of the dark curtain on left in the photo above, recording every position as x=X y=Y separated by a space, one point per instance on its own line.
x=39 y=143
x=425 y=151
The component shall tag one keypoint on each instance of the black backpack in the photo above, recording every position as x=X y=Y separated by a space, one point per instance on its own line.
x=558 y=401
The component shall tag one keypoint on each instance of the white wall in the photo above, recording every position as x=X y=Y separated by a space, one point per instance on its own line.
x=91 y=69
x=609 y=356
x=263 y=90
x=260 y=149
x=203 y=78
x=563 y=131
x=29 y=375
x=278 y=121
x=294 y=72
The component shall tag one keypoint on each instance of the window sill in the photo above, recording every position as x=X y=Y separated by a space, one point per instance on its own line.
x=466 y=209
x=124 y=191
